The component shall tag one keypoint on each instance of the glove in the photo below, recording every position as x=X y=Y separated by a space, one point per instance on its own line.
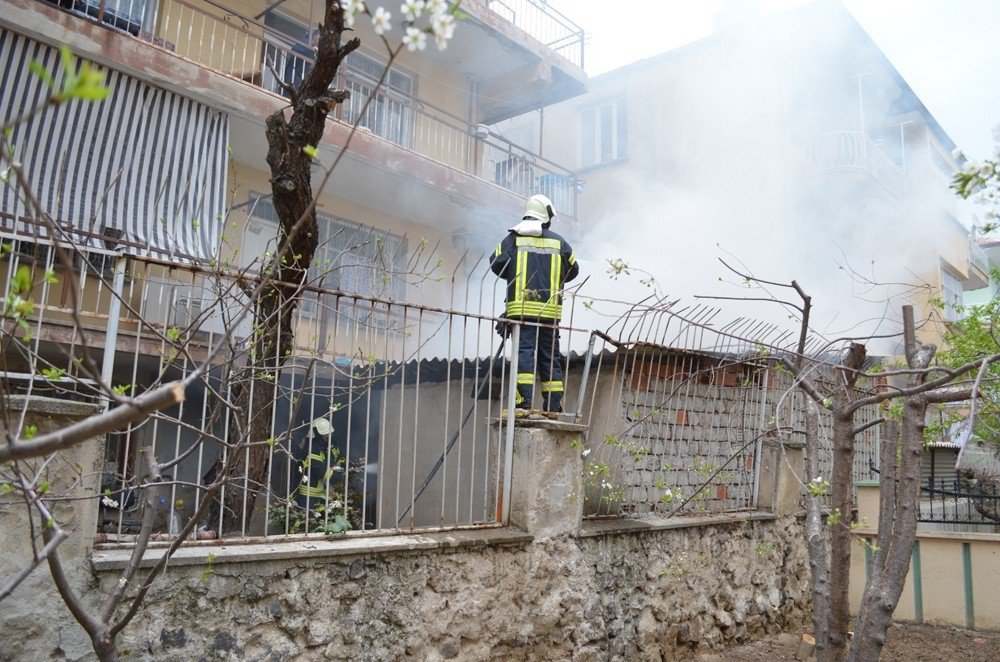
x=503 y=328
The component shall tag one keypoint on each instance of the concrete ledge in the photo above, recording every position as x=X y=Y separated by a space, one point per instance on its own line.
x=108 y=560
x=941 y=535
x=540 y=423
x=40 y=404
x=793 y=444
x=593 y=528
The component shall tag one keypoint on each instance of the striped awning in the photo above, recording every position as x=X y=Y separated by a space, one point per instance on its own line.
x=145 y=165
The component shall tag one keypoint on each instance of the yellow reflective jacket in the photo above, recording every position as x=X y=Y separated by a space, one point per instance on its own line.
x=536 y=269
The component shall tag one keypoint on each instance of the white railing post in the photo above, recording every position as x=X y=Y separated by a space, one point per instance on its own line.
x=508 y=454
x=114 y=316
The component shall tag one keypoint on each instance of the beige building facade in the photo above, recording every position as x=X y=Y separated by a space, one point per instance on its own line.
x=786 y=140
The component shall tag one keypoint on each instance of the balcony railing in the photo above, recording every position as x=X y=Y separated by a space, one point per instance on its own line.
x=977 y=256
x=544 y=23
x=854 y=151
x=228 y=42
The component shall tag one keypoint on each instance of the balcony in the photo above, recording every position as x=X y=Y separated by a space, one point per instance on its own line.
x=248 y=52
x=978 y=261
x=854 y=152
x=544 y=23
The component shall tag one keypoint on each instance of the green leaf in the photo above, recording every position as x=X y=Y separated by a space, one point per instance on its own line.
x=52 y=374
x=5 y=488
x=23 y=282
x=121 y=389
x=30 y=431
x=38 y=69
x=85 y=85
x=44 y=487
x=173 y=334
x=310 y=151
x=50 y=277
x=66 y=56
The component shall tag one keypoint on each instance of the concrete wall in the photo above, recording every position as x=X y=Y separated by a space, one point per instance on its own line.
x=462 y=491
x=953 y=578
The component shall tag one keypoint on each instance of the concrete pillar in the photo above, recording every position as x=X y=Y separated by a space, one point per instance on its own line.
x=868 y=501
x=75 y=473
x=780 y=487
x=546 y=477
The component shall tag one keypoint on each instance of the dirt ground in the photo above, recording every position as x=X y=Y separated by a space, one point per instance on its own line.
x=907 y=643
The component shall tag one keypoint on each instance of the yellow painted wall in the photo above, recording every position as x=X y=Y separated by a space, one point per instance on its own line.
x=942 y=573
x=435 y=127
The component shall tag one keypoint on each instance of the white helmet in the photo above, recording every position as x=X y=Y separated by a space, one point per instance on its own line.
x=539 y=208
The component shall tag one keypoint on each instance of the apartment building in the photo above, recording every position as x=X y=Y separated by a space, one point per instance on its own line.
x=792 y=141
x=167 y=179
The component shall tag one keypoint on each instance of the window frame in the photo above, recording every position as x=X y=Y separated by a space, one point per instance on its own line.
x=617 y=109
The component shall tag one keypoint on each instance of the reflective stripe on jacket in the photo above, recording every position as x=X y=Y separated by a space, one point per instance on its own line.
x=536 y=269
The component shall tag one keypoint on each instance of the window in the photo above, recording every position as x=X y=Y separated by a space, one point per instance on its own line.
x=351 y=257
x=287 y=52
x=388 y=115
x=604 y=133
x=132 y=16
x=951 y=292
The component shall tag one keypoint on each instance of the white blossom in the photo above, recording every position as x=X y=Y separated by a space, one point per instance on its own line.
x=437 y=6
x=109 y=502
x=412 y=9
x=415 y=39
x=380 y=21
x=443 y=26
x=586 y=452
x=351 y=9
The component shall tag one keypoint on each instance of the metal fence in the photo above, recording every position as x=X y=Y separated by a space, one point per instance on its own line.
x=224 y=39
x=679 y=411
x=393 y=415
x=960 y=501
x=387 y=415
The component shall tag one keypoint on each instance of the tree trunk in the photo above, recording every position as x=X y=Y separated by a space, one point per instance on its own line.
x=888 y=577
x=816 y=536
x=842 y=483
x=840 y=530
x=298 y=237
x=899 y=505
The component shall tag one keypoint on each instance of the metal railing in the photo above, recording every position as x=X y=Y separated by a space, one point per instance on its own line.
x=388 y=416
x=227 y=41
x=960 y=501
x=977 y=256
x=544 y=23
x=854 y=151
x=691 y=403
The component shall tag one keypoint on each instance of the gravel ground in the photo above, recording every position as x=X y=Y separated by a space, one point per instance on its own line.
x=907 y=643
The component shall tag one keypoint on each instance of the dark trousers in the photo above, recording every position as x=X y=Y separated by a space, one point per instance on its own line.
x=538 y=358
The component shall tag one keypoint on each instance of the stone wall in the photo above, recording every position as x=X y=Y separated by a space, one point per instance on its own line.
x=555 y=589
x=649 y=594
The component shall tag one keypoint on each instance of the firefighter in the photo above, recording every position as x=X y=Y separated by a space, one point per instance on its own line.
x=536 y=263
